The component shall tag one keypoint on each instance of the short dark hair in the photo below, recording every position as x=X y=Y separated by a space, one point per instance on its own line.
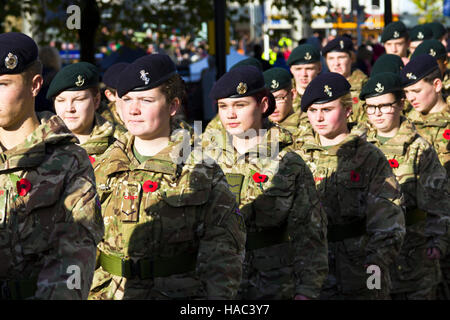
x=32 y=70
x=433 y=75
x=173 y=88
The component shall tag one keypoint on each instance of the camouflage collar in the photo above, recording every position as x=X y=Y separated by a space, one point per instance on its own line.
x=100 y=137
x=31 y=152
x=439 y=119
x=357 y=79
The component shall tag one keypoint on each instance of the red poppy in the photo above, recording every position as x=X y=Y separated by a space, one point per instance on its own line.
x=447 y=134
x=23 y=187
x=355 y=100
x=354 y=176
x=393 y=163
x=258 y=178
x=150 y=186
x=92 y=159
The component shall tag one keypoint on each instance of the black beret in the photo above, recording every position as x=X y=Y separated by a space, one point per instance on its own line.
x=303 y=54
x=111 y=75
x=339 y=44
x=387 y=63
x=418 y=68
x=432 y=47
x=438 y=29
x=74 y=77
x=241 y=82
x=17 y=52
x=277 y=79
x=145 y=73
x=249 y=62
x=394 y=30
x=420 y=32
x=325 y=87
x=381 y=83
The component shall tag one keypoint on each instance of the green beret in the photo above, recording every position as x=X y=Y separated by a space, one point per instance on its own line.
x=387 y=63
x=420 y=32
x=277 y=78
x=394 y=30
x=304 y=54
x=249 y=62
x=379 y=84
x=438 y=29
x=74 y=77
x=432 y=47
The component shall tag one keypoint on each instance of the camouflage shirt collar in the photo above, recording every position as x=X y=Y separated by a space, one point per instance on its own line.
x=357 y=79
x=100 y=137
x=438 y=119
x=31 y=152
x=405 y=136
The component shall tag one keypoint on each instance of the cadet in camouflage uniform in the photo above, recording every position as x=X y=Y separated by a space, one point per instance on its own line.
x=395 y=39
x=76 y=97
x=415 y=272
x=50 y=222
x=435 y=49
x=304 y=63
x=417 y=35
x=421 y=80
x=172 y=228
x=279 y=82
x=286 y=248
x=111 y=111
x=339 y=55
x=357 y=189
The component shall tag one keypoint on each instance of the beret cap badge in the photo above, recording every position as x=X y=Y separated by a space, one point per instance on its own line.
x=411 y=76
x=420 y=35
x=379 y=88
x=341 y=43
x=241 y=88
x=80 y=81
x=144 y=76
x=275 y=84
x=327 y=90
x=432 y=52
x=308 y=56
x=11 y=61
x=396 y=34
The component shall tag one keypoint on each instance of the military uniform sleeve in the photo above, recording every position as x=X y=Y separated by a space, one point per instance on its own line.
x=308 y=230
x=434 y=199
x=222 y=247
x=385 y=214
x=69 y=266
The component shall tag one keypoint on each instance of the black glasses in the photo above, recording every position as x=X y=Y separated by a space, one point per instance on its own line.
x=384 y=108
x=282 y=98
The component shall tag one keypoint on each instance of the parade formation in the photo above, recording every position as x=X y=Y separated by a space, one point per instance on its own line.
x=309 y=176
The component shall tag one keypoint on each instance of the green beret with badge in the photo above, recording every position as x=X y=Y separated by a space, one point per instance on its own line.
x=432 y=47
x=438 y=29
x=74 y=77
x=394 y=30
x=249 y=62
x=277 y=79
x=420 y=32
x=387 y=63
x=304 y=54
x=381 y=83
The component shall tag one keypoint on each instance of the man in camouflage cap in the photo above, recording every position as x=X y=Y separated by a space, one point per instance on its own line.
x=417 y=35
x=76 y=96
x=50 y=219
x=396 y=40
x=339 y=55
x=357 y=189
x=415 y=272
x=112 y=111
x=279 y=82
x=422 y=83
x=172 y=228
x=285 y=252
x=304 y=63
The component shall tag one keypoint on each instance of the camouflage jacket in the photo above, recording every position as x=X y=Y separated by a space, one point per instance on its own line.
x=296 y=122
x=108 y=111
x=296 y=103
x=358 y=191
x=357 y=81
x=102 y=136
x=424 y=184
x=446 y=86
x=50 y=217
x=435 y=128
x=283 y=199
x=167 y=210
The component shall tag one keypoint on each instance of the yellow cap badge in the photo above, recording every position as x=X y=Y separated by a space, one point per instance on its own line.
x=327 y=90
x=341 y=43
x=11 y=61
x=420 y=35
x=241 y=88
x=275 y=84
x=308 y=56
x=411 y=76
x=396 y=34
x=432 y=52
x=379 y=88
x=80 y=81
